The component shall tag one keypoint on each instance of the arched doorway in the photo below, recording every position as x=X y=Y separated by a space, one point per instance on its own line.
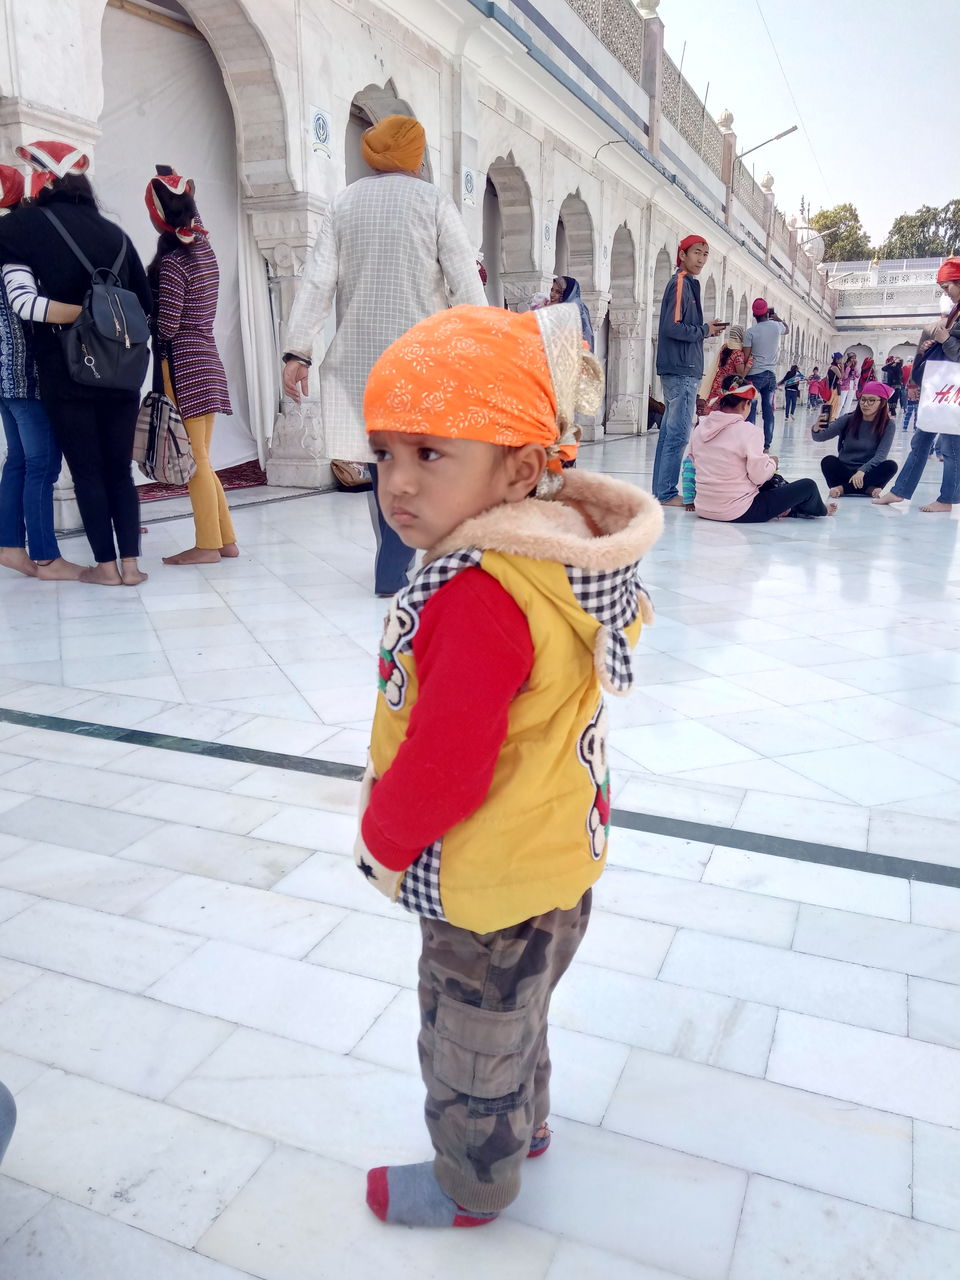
x=624 y=358
x=508 y=236
x=662 y=271
x=710 y=300
x=368 y=106
x=743 y=314
x=578 y=252
x=143 y=122
x=728 y=308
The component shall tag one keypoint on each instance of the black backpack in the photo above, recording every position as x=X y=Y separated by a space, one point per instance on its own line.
x=108 y=345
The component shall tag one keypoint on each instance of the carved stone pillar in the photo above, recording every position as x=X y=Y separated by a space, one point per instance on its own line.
x=285 y=229
x=626 y=401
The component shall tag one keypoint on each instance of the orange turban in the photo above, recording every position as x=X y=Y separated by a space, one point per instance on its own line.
x=482 y=373
x=396 y=144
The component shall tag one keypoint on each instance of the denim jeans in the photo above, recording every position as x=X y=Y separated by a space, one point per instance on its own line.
x=920 y=447
x=394 y=557
x=766 y=384
x=29 y=474
x=790 y=397
x=680 y=397
x=910 y=412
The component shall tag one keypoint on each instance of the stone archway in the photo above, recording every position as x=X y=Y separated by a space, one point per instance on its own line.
x=374 y=102
x=508 y=238
x=728 y=308
x=624 y=356
x=743 y=314
x=578 y=231
x=662 y=271
x=710 y=300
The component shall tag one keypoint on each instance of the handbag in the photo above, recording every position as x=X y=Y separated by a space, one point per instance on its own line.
x=107 y=346
x=161 y=446
x=351 y=477
x=939 y=407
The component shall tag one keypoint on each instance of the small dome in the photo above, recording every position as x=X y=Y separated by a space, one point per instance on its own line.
x=725 y=119
x=766 y=182
x=647 y=8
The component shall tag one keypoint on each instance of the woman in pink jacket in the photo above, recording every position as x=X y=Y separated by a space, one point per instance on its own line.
x=733 y=474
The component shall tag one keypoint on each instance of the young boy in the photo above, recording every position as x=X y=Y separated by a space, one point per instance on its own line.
x=487 y=798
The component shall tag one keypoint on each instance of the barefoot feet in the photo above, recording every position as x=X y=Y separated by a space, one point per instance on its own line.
x=836 y=491
x=131 y=575
x=672 y=502
x=832 y=508
x=194 y=555
x=17 y=558
x=887 y=499
x=102 y=575
x=229 y=550
x=938 y=506
x=59 y=570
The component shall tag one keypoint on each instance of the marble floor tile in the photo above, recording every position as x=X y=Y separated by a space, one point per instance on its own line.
x=693 y=802
x=280 y=1220
x=770 y=777
x=136 y=1044
x=76 y=826
x=852 y=993
x=392 y=1040
x=14 y=976
x=892 y=1073
x=937 y=751
x=200 y=807
x=321 y=1007
x=907 y=835
x=818 y=821
x=62 y=1240
x=820 y=1237
x=780 y=731
x=935 y=1011
x=332 y=878
x=217 y=658
x=393 y=959
x=177 y=638
x=664 y=855
x=683 y=744
x=103 y=645
x=273 y=733
x=156 y=764
x=624 y=943
x=799 y=1137
x=128 y=1158
x=236 y=913
x=866 y=774
x=801 y=685
x=935 y=904
x=936 y=1175
x=247 y=682
x=915 y=949
x=574 y=1261
x=336 y=1106
x=873 y=718
x=108 y=949
x=217 y=854
x=813 y=883
x=708 y=696
x=68 y=748
x=117 y=710
x=310 y=791
x=207 y=723
x=883 y=675
x=292 y=705
x=668 y=1019
x=708 y=907
x=85 y=879
x=50 y=700
x=71 y=782
x=313 y=828
x=18 y=1204
x=655 y=1206
x=733 y=660
x=17 y=1072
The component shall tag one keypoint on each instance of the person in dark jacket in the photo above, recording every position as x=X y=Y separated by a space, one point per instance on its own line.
x=941 y=343
x=567 y=289
x=861 y=465
x=94 y=428
x=680 y=364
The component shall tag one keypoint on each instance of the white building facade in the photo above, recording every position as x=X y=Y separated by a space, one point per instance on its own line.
x=883 y=306
x=566 y=135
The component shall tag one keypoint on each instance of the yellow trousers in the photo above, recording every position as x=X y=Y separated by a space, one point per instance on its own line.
x=211 y=515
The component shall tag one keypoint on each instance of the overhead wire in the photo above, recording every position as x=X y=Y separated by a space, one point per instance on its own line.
x=793 y=99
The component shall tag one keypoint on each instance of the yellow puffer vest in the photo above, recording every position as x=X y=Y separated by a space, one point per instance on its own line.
x=539 y=839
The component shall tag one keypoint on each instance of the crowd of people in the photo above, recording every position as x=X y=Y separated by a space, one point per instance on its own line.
x=726 y=471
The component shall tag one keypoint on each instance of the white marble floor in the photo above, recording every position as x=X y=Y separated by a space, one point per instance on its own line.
x=209 y=1023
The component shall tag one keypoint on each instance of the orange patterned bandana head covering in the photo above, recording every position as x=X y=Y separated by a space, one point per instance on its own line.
x=481 y=373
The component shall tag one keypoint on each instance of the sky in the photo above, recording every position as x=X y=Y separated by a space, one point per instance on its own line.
x=875 y=84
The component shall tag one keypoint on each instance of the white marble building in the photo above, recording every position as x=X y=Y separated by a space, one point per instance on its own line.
x=882 y=306
x=567 y=136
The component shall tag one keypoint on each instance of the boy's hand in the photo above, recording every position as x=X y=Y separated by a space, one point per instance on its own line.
x=381 y=877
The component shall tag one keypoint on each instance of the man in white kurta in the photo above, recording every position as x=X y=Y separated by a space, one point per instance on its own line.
x=392 y=250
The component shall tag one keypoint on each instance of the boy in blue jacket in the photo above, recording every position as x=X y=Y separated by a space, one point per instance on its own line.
x=680 y=363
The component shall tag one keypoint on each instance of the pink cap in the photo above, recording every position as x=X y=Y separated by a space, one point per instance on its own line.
x=876 y=389
x=760 y=307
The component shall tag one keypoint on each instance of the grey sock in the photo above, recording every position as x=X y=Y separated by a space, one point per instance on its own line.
x=409 y=1194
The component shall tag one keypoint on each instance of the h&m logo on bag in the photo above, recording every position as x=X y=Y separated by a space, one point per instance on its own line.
x=947 y=395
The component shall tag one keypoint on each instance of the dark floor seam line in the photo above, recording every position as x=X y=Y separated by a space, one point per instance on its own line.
x=827 y=855
x=188 y=515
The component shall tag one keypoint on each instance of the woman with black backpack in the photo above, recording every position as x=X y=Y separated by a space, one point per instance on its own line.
x=94 y=425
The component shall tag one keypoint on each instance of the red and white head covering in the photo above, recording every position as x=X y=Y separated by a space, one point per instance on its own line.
x=52 y=160
x=11 y=186
x=169 y=182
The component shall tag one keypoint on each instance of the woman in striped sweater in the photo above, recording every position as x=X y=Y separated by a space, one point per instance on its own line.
x=185 y=279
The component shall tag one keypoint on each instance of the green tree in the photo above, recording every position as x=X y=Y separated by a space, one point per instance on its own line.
x=844 y=237
x=928 y=233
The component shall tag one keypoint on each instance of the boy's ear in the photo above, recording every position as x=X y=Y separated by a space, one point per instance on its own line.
x=526 y=465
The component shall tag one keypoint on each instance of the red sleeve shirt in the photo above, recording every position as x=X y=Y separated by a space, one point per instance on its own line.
x=473 y=653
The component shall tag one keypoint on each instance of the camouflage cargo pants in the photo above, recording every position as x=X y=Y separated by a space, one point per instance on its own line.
x=484 y=1000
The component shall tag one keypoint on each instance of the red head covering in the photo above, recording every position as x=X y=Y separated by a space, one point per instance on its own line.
x=687 y=243
x=746 y=392
x=760 y=307
x=876 y=389
x=11 y=186
x=153 y=198
x=52 y=160
x=949 y=270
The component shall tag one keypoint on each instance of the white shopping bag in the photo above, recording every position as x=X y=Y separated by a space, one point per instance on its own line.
x=939 y=407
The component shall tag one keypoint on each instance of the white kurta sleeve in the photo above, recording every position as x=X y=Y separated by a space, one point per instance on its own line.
x=457 y=259
x=317 y=292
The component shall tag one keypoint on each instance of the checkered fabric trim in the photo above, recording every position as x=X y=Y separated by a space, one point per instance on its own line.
x=612 y=598
x=420 y=886
x=429 y=580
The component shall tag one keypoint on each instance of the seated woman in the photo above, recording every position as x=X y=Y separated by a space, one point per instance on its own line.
x=733 y=471
x=861 y=465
